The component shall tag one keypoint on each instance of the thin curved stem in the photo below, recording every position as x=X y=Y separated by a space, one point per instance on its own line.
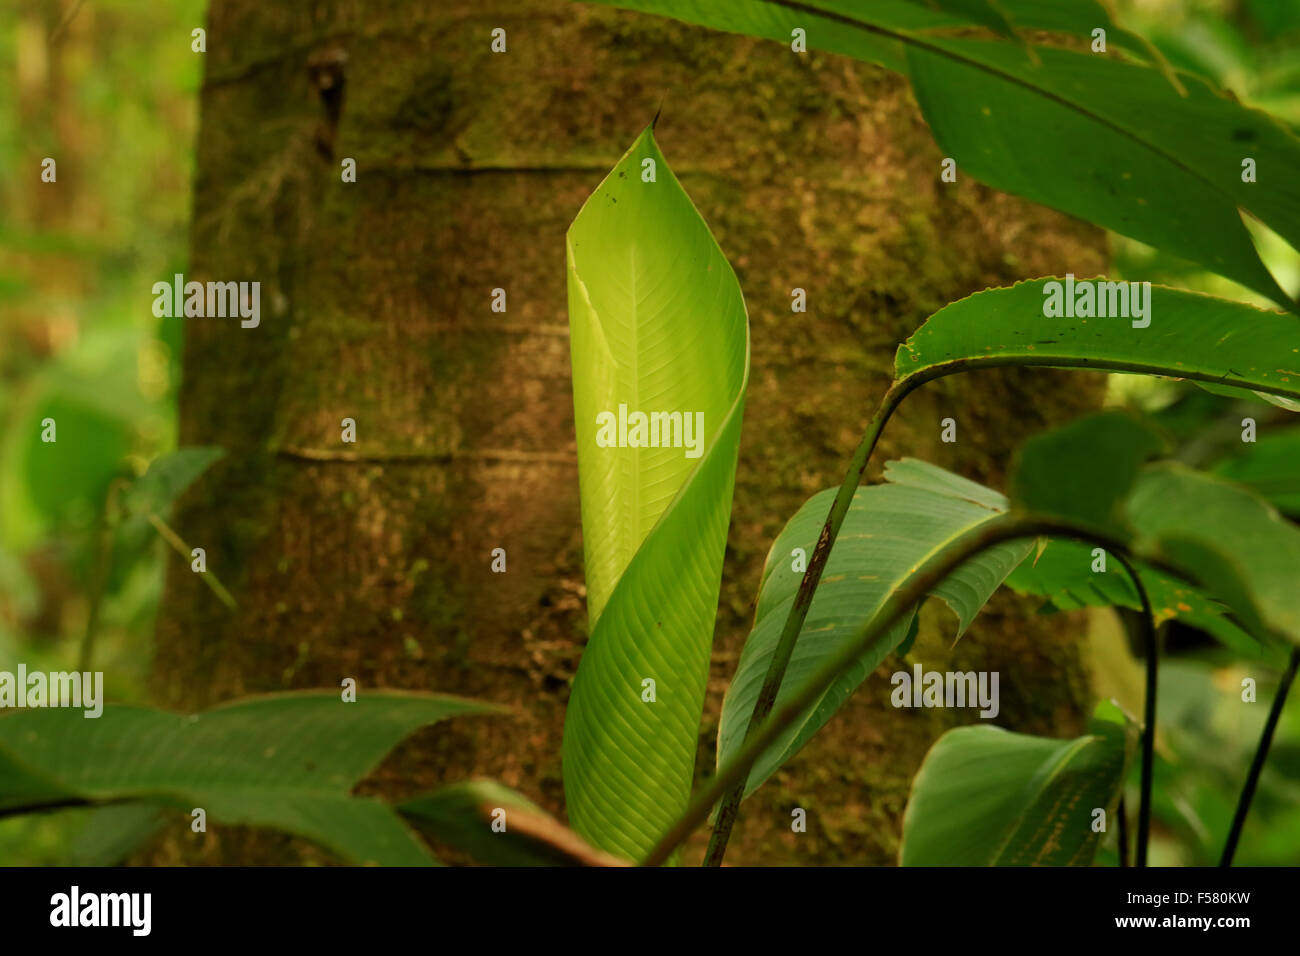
x=928 y=576
x=799 y=610
x=1261 y=754
x=1151 y=651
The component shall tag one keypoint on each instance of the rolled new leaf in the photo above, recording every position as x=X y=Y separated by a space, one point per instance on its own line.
x=660 y=346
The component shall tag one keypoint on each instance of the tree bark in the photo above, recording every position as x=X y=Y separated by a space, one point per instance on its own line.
x=372 y=560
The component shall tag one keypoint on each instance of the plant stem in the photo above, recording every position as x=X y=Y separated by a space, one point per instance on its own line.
x=799 y=611
x=1152 y=652
x=1144 y=621
x=1261 y=753
x=928 y=576
x=103 y=547
x=183 y=549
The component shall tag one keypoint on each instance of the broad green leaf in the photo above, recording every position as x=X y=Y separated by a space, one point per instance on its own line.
x=889 y=531
x=497 y=826
x=1063 y=573
x=1225 y=538
x=1191 y=336
x=1270 y=467
x=984 y=13
x=1114 y=142
x=829 y=25
x=1062 y=570
x=287 y=761
x=1077 y=18
x=658 y=325
x=988 y=797
x=1060 y=472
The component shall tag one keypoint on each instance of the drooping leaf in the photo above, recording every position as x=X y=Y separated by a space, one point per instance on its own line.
x=1191 y=336
x=988 y=797
x=497 y=826
x=1113 y=143
x=287 y=761
x=658 y=326
x=889 y=530
x=1048 y=124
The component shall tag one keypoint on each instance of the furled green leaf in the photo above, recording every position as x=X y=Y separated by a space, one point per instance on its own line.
x=988 y=797
x=657 y=324
x=1191 y=336
x=889 y=530
x=497 y=826
x=1111 y=141
x=287 y=761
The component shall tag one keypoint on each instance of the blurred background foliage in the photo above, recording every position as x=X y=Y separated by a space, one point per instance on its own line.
x=108 y=88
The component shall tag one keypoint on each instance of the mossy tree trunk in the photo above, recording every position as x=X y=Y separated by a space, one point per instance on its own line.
x=372 y=560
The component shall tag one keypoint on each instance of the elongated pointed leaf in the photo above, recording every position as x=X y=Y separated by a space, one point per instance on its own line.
x=287 y=761
x=988 y=797
x=658 y=326
x=1191 y=336
x=1113 y=142
x=889 y=530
